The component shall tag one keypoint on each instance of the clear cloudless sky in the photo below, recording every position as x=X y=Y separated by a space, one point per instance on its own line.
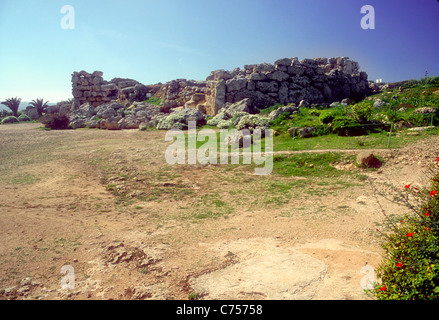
x=155 y=41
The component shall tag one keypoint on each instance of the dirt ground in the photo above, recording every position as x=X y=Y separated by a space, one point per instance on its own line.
x=133 y=227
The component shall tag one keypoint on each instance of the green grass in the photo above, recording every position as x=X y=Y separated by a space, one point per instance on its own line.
x=308 y=165
x=398 y=139
x=156 y=101
x=218 y=207
x=24 y=178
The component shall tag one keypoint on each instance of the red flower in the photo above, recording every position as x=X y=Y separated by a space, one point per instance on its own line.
x=383 y=288
x=410 y=234
x=426 y=229
x=433 y=193
x=427 y=214
x=407 y=186
x=399 y=264
x=437 y=159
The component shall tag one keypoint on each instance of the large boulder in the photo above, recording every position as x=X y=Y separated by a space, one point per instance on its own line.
x=306 y=132
x=129 y=123
x=87 y=110
x=293 y=131
x=236 y=84
x=111 y=123
x=77 y=122
x=245 y=105
x=32 y=112
x=180 y=119
x=368 y=160
x=287 y=109
x=109 y=110
x=278 y=76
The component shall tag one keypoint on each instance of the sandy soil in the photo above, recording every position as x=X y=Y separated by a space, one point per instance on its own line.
x=106 y=203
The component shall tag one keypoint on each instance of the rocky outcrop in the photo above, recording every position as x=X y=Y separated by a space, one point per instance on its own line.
x=181 y=93
x=310 y=81
x=291 y=108
x=115 y=116
x=91 y=88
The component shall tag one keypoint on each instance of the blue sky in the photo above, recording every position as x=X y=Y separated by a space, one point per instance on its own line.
x=157 y=41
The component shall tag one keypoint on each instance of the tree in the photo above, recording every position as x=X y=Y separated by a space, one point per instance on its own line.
x=40 y=105
x=13 y=104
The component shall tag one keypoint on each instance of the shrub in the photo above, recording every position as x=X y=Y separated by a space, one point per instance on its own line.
x=410 y=268
x=343 y=125
x=326 y=116
x=321 y=130
x=252 y=121
x=362 y=111
x=224 y=124
x=393 y=115
x=237 y=117
x=217 y=118
x=56 y=121
x=10 y=119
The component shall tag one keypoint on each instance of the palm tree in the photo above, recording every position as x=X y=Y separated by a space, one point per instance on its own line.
x=40 y=105
x=13 y=104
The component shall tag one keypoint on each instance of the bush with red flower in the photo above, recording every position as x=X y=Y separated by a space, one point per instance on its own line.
x=410 y=266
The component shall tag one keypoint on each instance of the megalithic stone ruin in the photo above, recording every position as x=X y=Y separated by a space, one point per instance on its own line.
x=287 y=80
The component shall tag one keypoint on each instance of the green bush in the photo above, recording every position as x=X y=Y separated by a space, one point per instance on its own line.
x=339 y=123
x=10 y=119
x=56 y=121
x=363 y=111
x=420 y=120
x=321 y=130
x=410 y=267
x=326 y=116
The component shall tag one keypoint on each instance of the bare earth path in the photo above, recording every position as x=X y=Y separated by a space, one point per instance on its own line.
x=132 y=227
